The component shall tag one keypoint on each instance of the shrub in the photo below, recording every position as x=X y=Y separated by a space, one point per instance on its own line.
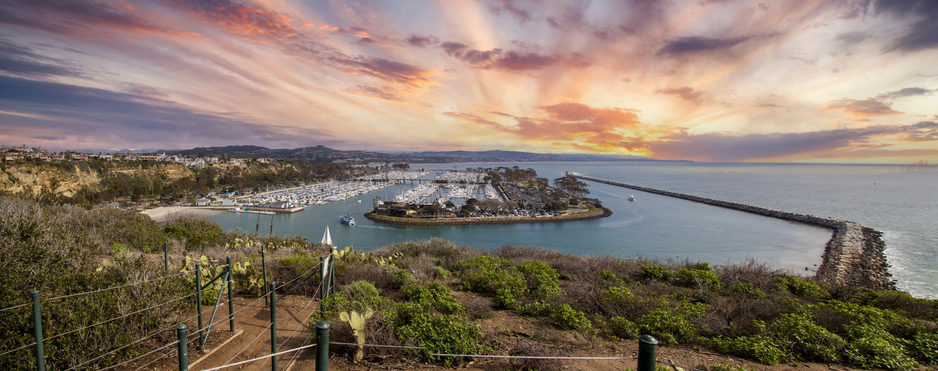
x=925 y=348
x=747 y=290
x=726 y=367
x=872 y=347
x=759 y=347
x=606 y=275
x=668 y=327
x=569 y=318
x=493 y=276
x=542 y=279
x=806 y=338
x=198 y=233
x=534 y=309
x=402 y=277
x=656 y=272
x=439 y=333
x=800 y=288
x=362 y=295
x=699 y=279
x=622 y=328
x=434 y=295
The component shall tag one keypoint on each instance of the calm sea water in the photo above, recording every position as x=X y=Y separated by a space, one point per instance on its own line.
x=896 y=200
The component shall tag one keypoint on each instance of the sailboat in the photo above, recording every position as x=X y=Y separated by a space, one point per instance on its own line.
x=327 y=239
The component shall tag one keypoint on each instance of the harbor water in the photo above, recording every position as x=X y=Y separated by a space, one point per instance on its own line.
x=900 y=201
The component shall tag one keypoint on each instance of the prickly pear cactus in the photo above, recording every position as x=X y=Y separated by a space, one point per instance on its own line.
x=357 y=322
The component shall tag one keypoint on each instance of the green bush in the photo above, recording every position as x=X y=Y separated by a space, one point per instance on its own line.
x=434 y=295
x=726 y=367
x=747 y=290
x=668 y=327
x=758 y=347
x=566 y=317
x=924 y=348
x=801 y=288
x=362 y=295
x=872 y=347
x=699 y=279
x=807 y=339
x=534 y=309
x=542 y=279
x=606 y=275
x=656 y=272
x=622 y=328
x=198 y=233
x=402 y=277
x=439 y=333
x=493 y=276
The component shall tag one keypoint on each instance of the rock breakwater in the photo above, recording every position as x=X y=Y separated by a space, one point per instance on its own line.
x=853 y=256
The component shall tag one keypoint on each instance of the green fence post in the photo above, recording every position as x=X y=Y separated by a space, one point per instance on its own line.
x=273 y=325
x=322 y=346
x=166 y=256
x=37 y=325
x=198 y=298
x=264 y=265
x=183 y=351
x=230 y=297
x=647 y=345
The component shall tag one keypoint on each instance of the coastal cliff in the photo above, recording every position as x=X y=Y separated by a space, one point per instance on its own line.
x=853 y=256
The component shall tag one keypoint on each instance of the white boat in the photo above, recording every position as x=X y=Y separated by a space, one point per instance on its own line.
x=631 y=198
x=347 y=219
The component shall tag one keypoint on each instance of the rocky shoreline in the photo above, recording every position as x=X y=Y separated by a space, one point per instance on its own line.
x=595 y=214
x=853 y=256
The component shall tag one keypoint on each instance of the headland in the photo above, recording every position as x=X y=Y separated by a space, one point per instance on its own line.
x=592 y=214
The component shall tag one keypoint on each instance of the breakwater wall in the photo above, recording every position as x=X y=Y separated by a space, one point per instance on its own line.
x=853 y=256
x=595 y=214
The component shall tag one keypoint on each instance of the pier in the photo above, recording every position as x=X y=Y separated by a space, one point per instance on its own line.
x=853 y=256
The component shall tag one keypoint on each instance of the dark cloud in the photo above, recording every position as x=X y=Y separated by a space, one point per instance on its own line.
x=851 y=38
x=21 y=60
x=422 y=41
x=696 y=44
x=71 y=17
x=95 y=114
x=511 y=60
x=923 y=30
x=388 y=93
x=866 y=107
x=239 y=18
x=727 y=147
x=902 y=93
x=687 y=93
x=402 y=74
x=510 y=6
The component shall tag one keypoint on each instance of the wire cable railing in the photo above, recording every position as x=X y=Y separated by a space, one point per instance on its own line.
x=113 y=288
x=117 y=318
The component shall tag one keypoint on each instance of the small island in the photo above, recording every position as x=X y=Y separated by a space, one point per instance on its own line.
x=500 y=195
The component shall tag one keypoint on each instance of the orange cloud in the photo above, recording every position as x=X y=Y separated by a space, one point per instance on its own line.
x=866 y=107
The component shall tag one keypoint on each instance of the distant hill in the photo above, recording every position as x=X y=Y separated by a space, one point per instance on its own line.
x=326 y=154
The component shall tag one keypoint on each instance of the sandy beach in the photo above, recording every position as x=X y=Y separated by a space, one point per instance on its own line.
x=162 y=214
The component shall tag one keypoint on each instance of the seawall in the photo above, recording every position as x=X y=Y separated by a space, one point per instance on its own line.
x=854 y=255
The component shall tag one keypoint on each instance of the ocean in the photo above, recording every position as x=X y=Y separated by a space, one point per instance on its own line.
x=899 y=201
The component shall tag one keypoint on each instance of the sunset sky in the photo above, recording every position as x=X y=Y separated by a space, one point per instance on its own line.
x=702 y=80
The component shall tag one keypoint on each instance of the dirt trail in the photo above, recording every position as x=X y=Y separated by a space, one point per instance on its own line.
x=293 y=316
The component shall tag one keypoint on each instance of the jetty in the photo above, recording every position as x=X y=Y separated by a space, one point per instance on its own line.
x=853 y=256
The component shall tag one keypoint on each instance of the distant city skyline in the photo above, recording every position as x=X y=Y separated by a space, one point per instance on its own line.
x=701 y=80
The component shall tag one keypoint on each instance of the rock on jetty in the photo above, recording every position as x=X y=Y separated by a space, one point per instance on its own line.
x=854 y=255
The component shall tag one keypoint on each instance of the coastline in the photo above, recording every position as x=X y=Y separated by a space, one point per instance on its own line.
x=855 y=254
x=595 y=214
x=165 y=213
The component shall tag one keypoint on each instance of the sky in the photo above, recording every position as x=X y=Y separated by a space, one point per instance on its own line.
x=702 y=80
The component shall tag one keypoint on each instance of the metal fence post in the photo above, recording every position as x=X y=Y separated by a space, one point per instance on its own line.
x=273 y=325
x=183 y=351
x=166 y=256
x=322 y=346
x=264 y=265
x=647 y=345
x=198 y=298
x=37 y=325
x=230 y=297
